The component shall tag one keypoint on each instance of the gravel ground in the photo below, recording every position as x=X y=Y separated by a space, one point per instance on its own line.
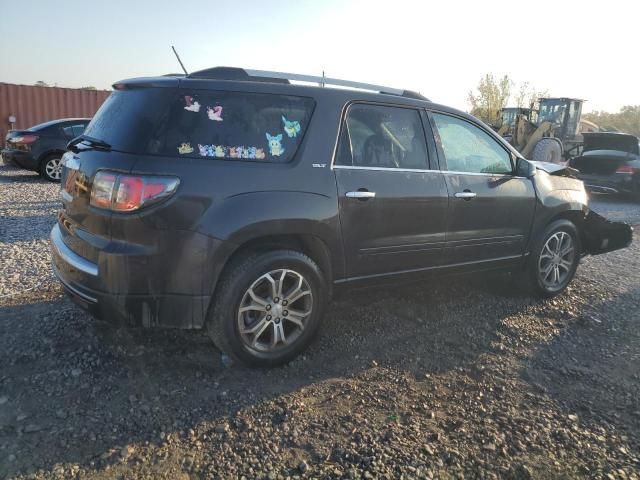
x=460 y=378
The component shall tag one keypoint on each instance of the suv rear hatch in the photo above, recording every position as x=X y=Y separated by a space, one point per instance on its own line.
x=117 y=134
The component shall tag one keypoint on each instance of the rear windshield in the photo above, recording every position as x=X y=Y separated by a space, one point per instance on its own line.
x=233 y=125
x=128 y=118
x=213 y=124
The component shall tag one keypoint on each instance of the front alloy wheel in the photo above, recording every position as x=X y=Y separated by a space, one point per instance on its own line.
x=556 y=260
x=274 y=310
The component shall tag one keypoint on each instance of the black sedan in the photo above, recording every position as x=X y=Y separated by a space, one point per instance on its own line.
x=40 y=148
x=609 y=163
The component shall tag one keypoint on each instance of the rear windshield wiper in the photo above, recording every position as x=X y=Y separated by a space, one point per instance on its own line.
x=85 y=142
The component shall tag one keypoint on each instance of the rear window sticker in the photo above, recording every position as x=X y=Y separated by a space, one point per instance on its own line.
x=220 y=151
x=233 y=153
x=260 y=154
x=275 y=147
x=215 y=113
x=203 y=150
x=292 y=128
x=191 y=105
x=245 y=152
x=252 y=152
x=185 y=148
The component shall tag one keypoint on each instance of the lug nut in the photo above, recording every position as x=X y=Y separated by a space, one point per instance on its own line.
x=284 y=303
x=268 y=307
x=276 y=299
x=268 y=317
x=285 y=313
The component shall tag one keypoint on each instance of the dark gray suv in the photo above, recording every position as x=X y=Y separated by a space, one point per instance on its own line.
x=238 y=201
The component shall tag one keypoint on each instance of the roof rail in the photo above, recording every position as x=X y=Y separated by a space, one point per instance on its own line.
x=230 y=73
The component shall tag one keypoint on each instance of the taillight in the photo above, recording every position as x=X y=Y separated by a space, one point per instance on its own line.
x=626 y=169
x=126 y=193
x=24 y=139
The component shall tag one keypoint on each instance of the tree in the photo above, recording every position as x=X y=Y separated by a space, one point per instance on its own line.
x=90 y=87
x=490 y=97
x=40 y=83
x=528 y=95
x=626 y=120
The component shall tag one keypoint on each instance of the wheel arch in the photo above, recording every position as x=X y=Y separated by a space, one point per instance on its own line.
x=48 y=153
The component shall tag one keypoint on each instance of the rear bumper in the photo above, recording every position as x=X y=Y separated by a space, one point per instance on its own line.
x=149 y=310
x=19 y=158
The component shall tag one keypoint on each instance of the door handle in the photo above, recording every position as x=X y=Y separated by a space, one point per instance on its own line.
x=361 y=195
x=467 y=195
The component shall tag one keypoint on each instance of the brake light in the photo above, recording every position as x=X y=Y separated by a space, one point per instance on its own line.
x=126 y=193
x=626 y=169
x=24 y=139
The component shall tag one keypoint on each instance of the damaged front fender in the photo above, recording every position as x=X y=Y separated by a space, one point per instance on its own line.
x=602 y=235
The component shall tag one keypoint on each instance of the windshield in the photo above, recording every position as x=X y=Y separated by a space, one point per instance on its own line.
x=552 y=111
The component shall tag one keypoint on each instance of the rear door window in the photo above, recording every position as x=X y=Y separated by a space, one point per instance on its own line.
x=378 y=136
x=233 y=125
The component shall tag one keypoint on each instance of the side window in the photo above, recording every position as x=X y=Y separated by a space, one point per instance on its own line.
x=78 y=129
x=233 y=125
x=380 y=136
x=467 y=148
x=72 y=131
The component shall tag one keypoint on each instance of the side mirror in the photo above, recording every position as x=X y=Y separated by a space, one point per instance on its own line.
x=524 y=168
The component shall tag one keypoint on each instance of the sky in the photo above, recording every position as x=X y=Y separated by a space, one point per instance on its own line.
x=581 y=49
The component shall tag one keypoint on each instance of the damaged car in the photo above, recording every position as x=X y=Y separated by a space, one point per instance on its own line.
x=241 y=201
x=609 y=163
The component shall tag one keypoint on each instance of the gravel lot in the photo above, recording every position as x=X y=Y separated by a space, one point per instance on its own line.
x=460 y=378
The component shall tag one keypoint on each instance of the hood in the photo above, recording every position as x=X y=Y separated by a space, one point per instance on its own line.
x=611 y=141
x=557 y=169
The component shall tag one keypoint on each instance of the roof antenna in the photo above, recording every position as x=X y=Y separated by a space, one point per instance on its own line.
x=179 y=61
x=322 y=84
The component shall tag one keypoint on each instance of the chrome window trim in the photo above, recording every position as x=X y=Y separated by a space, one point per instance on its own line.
x=454 y=172
x=68 y=255
x=385 y=169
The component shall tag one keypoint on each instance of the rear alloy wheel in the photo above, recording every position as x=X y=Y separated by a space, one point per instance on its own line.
x=555 y=258
x=267 y=307
x=51 y=168
x=274 y=310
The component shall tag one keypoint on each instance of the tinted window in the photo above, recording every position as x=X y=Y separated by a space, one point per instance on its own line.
x=468 y=148
x=73 y=131
x=128 y=118
x=233 y=125
x=379 y=136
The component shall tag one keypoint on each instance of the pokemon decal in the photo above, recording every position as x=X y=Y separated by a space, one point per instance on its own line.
x=185 y=148
x=191 y=105
x=215 y=113
x=221 y=151
x=292 y=129
x=275 y=146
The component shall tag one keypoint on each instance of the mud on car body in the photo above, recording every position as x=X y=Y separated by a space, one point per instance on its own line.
x=238 y=202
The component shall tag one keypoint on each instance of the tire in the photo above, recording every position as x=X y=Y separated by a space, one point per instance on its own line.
x=51 y=167
x=547 y=150
x=540 y=261
x=248 y=335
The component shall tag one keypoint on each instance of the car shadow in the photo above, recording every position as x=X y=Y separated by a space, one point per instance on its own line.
x=591 y=368
x=106 y=387
x=79 y=390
